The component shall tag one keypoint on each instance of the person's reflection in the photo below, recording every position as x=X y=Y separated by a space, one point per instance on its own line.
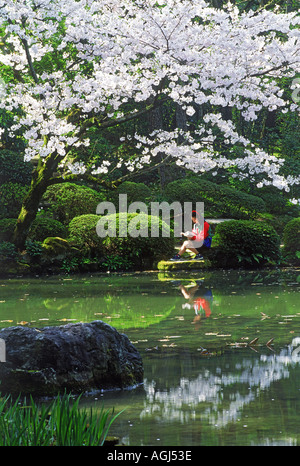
x=199 y=298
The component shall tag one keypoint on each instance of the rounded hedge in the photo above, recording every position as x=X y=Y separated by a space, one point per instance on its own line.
x=83 y=234
x=219 y=200
x=246 y=243
x=141 y=251
x=68 y=200
x=42 y=227
x=291 y=235
x=135 y=192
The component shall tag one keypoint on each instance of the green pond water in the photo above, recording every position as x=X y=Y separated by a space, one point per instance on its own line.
x=203 y=384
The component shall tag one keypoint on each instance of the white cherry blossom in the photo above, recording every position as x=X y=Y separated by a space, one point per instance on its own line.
x=118 y=51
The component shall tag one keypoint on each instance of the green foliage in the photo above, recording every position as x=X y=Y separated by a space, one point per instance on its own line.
x=11 y=198
x=115 y=263
x=7 y=250
x=34 y=249
x=140 y=251
x=82 y=233
x=291 y=235
x=219 y=200
x=7 y=226
x=120 y=252
x=70 y=265
x=62 y=422
x=69 y=200
x=135 y=192
x=246 y=243
x=42 y=227
x=277 y=201
x=13 y=168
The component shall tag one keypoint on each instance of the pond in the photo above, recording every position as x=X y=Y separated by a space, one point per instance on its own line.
x=203 y=383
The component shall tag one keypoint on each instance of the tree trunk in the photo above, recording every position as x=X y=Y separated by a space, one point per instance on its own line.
x=31 y=202
x=28 y=213
x=156 y=122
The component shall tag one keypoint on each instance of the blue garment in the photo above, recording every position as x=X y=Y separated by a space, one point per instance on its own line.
x=207 y=242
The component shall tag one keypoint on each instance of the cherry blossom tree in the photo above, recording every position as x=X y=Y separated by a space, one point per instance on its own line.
x=73 y=65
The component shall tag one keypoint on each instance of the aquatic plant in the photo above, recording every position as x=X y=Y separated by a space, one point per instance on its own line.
x=61 y=423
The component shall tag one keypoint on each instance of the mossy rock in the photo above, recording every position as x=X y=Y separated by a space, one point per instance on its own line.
x=111 y=441
x=184 y=265
x=55 y=246
x=184 y=277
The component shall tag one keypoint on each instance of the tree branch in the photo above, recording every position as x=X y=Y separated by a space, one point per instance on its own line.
x=102 y=182
x=28 y=56
x=86 y=177
x=29 y=60
x=118 y=121
x=275 y=68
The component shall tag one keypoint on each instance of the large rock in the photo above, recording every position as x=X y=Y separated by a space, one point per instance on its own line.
x=76 y=357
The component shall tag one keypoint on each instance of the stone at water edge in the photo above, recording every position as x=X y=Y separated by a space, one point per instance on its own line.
x=184 y=265
x=76 y=357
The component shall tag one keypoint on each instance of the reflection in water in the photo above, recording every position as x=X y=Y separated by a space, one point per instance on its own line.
x=223 y=391
x=189 y=397
x=199 y=297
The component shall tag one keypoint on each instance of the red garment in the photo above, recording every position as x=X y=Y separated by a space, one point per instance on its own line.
x=200 y=235
x=202 y=303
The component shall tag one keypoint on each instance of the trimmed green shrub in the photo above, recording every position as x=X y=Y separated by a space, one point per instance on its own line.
x=246 y=243
x=7 y=227
x=291 y=235
x=141 y=251
x=219 y=200
x=69 y=200
x=11 y=198
x=42 y=227
x=135 y=192
x=118 y=252
x=13 y=168
x=83 y=234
